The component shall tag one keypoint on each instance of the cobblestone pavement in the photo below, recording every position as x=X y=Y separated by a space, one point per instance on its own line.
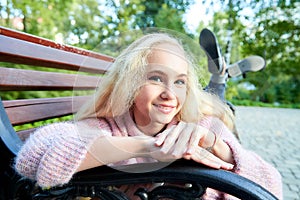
x=274 y=134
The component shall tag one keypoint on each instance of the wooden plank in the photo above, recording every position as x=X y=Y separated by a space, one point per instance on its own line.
x=32 y=110
x=49 y=43
x=12 y=79
x=23 y=52
x=27 y=102
x=24 y=134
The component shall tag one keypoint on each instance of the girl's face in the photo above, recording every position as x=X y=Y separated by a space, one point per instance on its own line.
x=164 y=91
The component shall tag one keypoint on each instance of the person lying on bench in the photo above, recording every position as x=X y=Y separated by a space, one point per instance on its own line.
x=148 y=108
x=219 y=70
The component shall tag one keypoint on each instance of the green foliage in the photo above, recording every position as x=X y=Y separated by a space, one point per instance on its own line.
x=232 y=91
x=42 y=17
x=276 y=37
x=155 y=10
x=271 y=30
x=168 y=18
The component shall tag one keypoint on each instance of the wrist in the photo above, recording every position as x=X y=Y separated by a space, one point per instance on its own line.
x=145 y=146
x=211 y=148
x=223 y=151
x=209 y=141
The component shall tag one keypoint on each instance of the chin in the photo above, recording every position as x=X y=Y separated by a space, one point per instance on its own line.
x=165 y=120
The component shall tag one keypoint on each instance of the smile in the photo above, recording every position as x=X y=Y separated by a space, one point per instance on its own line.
x=166 y=109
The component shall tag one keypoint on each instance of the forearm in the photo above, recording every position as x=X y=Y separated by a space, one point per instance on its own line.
x=106 y=150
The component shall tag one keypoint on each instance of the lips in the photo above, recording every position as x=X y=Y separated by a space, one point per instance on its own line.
x=166 y=109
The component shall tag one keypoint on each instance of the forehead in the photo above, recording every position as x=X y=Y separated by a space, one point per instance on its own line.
x=167 y=49
x=169 y=55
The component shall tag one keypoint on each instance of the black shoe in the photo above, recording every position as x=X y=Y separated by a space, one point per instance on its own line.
x=249 y=64
x=209 y=44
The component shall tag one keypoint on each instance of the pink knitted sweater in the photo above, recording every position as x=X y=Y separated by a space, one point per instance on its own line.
x=53 y=153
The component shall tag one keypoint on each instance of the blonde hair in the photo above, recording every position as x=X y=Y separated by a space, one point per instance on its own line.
x=118 y=89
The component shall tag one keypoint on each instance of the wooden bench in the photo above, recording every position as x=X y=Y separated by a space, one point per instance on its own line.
x=20 y=48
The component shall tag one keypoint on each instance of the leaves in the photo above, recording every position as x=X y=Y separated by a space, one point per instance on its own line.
x=270 y=29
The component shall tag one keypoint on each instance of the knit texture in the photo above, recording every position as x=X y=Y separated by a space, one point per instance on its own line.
x=247 y=163
x=53 y=153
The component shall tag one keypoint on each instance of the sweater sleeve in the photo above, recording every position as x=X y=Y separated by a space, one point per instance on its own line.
x=247 y=163
x=53 y=153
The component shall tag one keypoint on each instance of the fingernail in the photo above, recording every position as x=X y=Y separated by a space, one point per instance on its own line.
x=175 y=154
x=164 y=150
x=189 y=151
x=230 y=166
x=158 y=142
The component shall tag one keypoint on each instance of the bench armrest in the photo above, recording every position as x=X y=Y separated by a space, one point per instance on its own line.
x=8 y=135
x=97 y=181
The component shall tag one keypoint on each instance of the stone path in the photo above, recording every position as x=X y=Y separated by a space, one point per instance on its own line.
x=274 y=134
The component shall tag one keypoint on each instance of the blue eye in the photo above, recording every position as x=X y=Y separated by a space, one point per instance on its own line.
x=155 y=78
x=180 y=82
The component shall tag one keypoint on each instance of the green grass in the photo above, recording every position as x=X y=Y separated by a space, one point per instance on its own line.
x=262 y=104
x=42 y=123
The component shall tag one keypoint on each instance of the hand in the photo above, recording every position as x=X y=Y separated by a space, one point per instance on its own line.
x=179 y=139
x=188 y=140
x=205 y=157
x=157 y=154
x=152 y=150
x=182 y=138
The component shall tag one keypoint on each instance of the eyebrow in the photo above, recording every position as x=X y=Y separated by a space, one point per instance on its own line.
x=164 y=74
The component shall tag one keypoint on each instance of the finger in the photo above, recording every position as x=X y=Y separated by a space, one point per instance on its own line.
x=195 y=138
x=207 y=158
x=160 y=138
x=187 y=156
x=208 y=162
x=172 y=137
x=221 y=163
x=182 y=144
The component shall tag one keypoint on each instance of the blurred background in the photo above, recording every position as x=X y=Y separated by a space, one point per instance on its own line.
x=269 y=28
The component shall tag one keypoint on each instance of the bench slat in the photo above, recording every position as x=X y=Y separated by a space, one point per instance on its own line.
x=32 y=110
x=27 y=102
x=18 y=79
x=49 y=43
x=23 y=52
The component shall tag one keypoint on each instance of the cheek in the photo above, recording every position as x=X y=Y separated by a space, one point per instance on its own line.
x=181 y=96
x=145 y=95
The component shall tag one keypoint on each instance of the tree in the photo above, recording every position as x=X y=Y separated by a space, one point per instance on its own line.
x=169 y=18
x=270 y=30
x=153 y=9
x=276 y=36
x=44 y=18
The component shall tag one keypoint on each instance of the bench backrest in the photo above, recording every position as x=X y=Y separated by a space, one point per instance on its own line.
x=77 y=69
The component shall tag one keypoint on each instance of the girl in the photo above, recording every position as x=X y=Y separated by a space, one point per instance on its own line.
x=148 y=108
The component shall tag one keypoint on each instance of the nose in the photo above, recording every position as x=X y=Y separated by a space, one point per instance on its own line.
x=167 y=94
